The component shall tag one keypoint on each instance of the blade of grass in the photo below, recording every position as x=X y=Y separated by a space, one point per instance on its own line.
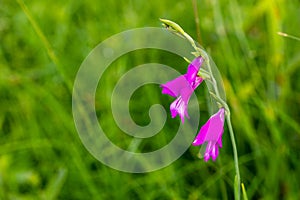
x=56 y=184
x=45 y=41
x=245 y=197
x=288 y=36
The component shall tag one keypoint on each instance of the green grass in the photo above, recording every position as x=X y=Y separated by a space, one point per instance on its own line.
x=42 y=45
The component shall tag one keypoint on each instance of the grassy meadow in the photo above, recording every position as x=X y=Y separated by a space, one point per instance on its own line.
x=42 y=45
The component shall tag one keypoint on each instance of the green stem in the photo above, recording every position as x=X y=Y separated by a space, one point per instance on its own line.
x=231 y=133
x=235 y=154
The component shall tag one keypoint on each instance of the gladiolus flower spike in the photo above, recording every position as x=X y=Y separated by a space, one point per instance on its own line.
x=182 y=88
x=211 y=134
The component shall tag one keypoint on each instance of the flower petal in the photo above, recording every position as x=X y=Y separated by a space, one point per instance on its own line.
x=179 y=106
x=200 y=138
x=193 y=69
x=211 y=132
x=197 y=82
x=174 y=86
x=213 y=127
x=182 y=87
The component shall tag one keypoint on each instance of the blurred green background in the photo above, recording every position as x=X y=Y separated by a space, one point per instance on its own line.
x=42 y=44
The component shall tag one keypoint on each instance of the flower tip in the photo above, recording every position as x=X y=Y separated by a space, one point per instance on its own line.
x=206 y=157
x=195 y=142
x=168 y=23
x=197 y=62
x=173 y=113
x=167 y=90
x=182 y=120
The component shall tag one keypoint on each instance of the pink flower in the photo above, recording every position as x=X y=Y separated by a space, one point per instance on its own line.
x=211 y=132
x=183 y=87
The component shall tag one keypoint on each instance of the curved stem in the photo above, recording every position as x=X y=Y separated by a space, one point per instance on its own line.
x=217 y=96
x=231 y=133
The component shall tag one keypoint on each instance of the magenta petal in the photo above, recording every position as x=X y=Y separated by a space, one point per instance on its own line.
x=182 y=87
x=179 y=106
x=193 y=69
x=214 y=152
x=206 y=157
x=190 y=79
x=211 y=132
x=197 y=82
x=200 y=138
x=197 y=62
x=174 y=86
x=220 y=142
